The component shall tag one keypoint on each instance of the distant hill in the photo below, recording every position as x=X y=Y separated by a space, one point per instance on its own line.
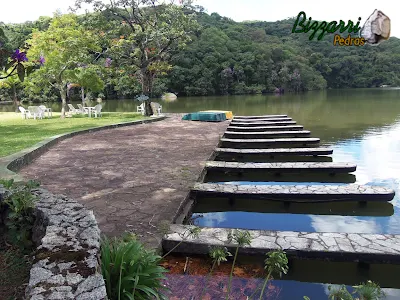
x=231 y=57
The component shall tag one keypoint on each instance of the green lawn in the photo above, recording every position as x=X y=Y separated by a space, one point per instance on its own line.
x=17 y=134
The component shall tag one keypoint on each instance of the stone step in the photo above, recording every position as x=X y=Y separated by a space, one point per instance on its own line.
x=297 y=193
x=260 y=117
x=261 y=120
x=257 y=124
x=266 y=134
x=266 y=143
x=356 y=247
x=284 y=167
x=276 y=151
x=266 y=128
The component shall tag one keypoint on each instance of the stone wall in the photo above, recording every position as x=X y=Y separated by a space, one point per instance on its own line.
x=66 y=261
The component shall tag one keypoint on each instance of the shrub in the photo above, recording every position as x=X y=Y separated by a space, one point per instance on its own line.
x=19 y=204
x=131 y=271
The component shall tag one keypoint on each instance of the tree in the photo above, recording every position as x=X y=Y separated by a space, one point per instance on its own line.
x=11 y=82
x=66 y=45
x=89 y=79
x=151 y=33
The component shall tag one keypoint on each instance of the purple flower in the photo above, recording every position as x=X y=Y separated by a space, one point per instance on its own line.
x=19 y=56
x=41 y=60
x=108 y=62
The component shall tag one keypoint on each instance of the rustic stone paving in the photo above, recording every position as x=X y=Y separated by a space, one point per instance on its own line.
x=348 y=192
x=131 y=177
x=334 y=167
x=262 y=120
x=266 y=128
x=261 y=143
x=344 y=246
x=278 y=151
x=249 y=124
x=266 y=134
x=260 y=117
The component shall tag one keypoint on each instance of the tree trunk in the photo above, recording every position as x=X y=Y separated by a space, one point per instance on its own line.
x=83 y=96
x=146 y=90
x=15 y=98
x=63 y=93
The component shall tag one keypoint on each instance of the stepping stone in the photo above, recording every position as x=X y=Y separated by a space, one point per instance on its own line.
x=258 y=124
x=266 y=134
x=277 y=151
x=260 y=117
x=262 y=120
x=335 y=246
x=266 y=128
x=265 y=143
x=285 y=167
x=298 y=193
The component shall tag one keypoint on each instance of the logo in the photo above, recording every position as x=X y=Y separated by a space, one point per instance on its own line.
x=374 y=31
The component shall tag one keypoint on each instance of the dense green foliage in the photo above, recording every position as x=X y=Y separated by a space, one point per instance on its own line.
x=19 y=204
x=215 y=55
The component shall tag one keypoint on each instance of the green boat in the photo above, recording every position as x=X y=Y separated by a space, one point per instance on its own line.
x=205 y=116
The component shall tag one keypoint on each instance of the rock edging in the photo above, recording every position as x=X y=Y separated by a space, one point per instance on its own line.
x=66 y=263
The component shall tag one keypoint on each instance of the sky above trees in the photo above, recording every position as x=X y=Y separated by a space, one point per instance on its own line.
x=238 y=10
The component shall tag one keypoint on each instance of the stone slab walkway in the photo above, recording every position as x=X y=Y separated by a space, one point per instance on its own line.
x=260 y=117
x=266 y=134
x=277 y=151
x=262 y=120
x=265 y=143
x=263 y=123
x=266 y=128
x=306 y=193
x=131 y=177
x=337 y=246
x=284 y=167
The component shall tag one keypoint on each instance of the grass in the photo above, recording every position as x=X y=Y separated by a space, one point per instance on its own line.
x=17 y=134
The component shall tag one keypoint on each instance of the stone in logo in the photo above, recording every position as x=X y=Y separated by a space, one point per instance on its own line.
x=376 y=29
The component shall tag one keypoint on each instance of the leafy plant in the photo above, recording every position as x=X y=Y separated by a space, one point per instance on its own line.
x=218 y=254
x=364 y=291
x=241 y=238
x=339 y=293
x=131 y=271
x=8 y=184
x=276 y=262
x=20 y=203
x=190 y=232
x=369 y=291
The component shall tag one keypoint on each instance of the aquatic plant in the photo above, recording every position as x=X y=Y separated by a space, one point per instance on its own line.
x=190 y=232
x=241 y=238
x=369 y=291
x=218 y=254
x=364 y=291
x=276 y=262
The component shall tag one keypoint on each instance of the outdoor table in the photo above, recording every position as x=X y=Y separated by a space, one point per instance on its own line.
x=90 y=108
x=49 y=112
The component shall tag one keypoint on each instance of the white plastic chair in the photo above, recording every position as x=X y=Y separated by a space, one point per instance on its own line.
x=73 y=110
x=157 y=108
x=36 y=111
x=25 y=113
x=97 y=110
x=140 y=108
x=83 y=109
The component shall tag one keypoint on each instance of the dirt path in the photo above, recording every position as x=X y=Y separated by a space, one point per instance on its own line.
x=133 y=177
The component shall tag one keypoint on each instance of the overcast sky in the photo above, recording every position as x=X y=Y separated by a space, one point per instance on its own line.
x=238 y=10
